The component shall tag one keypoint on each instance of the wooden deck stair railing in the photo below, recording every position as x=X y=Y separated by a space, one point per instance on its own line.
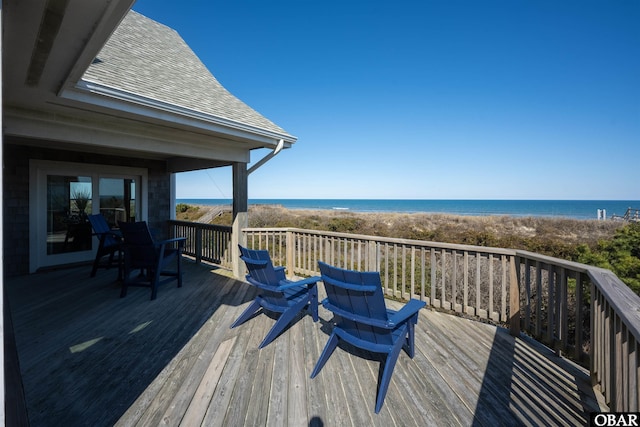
x=632 y=215
x=583 y=312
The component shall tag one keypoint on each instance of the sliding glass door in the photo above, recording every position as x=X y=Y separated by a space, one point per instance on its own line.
x=69 y=201
x=62 y=195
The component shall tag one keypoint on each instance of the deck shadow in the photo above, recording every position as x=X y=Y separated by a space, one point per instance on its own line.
x=86 y=354
x=540 y=388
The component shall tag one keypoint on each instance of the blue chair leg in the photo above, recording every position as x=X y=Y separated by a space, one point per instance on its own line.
x=410 y=348
x=179 y=269
x=247 y=313
x=155 y=282
x=313 y=303
x=125 y=284
x=283 y=320
x=326 y=353
x=389 y=364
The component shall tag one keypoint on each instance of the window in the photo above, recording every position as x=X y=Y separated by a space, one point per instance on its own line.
x=69 y=202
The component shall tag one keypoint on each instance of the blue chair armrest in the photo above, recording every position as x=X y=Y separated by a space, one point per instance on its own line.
x=180 y=240
x=164 y=245
x=304 y=282
x=113 y=233
x=411 y=308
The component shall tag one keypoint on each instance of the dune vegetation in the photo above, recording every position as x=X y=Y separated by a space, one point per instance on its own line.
x=609 y=244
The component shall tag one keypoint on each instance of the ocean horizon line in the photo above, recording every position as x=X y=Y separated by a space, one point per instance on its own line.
x=383 y=198
x=570 y=208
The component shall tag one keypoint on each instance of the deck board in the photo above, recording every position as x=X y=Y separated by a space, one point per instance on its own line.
x=88 y=357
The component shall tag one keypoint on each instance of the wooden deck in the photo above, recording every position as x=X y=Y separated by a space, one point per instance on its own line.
x=89 y=358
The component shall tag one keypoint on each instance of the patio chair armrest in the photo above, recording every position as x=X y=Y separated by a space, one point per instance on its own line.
x=180 y=240
x=286 y=284
x=113 y=233
x=257 y=284
x=410 y=309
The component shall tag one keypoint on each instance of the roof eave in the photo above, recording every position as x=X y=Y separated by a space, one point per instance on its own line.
x=103 y=96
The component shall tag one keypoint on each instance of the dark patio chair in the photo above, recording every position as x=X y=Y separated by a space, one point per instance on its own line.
x=152 y=259
x=110 y=243
x=362 y=320
x=277 y=294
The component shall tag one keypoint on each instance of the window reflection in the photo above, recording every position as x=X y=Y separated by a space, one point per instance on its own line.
x=117 y=200
x=68 y=204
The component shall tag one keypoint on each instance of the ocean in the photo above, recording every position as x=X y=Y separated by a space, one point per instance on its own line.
x=577 y=209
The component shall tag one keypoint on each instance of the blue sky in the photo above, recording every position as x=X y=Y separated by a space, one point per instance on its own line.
x=447 y=99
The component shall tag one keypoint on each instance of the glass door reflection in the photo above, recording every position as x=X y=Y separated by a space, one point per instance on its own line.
x=69 y=200
x=117 y=200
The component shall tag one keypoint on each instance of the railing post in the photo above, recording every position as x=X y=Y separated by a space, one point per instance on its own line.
x=198 y=244
x=372 y=253
x=291 y=255
x=240 y=215
x=514 y=296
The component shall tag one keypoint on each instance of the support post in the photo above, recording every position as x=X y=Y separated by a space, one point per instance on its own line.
x=514 y=297
x=240 y=215
x=291 y=253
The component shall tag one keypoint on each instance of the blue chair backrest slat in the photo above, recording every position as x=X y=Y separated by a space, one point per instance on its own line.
x=362 y=303
x=139 y=244
x=100 y=226
x=136 y=233
x=260 y=267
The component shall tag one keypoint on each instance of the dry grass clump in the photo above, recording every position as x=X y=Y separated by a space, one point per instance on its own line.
x=552 y=236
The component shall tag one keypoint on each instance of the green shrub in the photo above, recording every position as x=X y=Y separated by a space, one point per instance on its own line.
x=621 y=254
x=182 y=207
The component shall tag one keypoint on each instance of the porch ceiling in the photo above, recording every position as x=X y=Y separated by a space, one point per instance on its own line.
x=49 y=42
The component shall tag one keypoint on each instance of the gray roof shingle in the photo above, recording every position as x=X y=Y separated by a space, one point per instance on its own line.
x=148 y=59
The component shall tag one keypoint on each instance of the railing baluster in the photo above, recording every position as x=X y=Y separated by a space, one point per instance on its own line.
x=443 y=281
x=490 y=309
x=454 y=280
x=403 y=269
x=527 y=290
x=503 y=289
x=478 y=278
x=434 y=268
x=465 y=282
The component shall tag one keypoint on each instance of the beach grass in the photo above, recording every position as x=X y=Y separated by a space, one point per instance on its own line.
x=553 y=236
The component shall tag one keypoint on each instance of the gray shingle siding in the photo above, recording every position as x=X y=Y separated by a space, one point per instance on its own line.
x=148 y=59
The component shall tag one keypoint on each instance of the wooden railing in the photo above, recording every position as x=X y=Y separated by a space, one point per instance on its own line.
x=583 y=312
x=631 y=214
x=205 y=242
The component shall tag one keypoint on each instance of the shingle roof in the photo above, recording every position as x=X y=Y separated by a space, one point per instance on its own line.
x=148 y=59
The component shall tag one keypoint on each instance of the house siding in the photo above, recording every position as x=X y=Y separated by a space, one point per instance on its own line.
x=16 y=194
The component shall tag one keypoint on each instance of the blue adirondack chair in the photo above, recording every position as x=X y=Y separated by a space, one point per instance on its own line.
x=361 y=318
x=152 y=258
x=110 y=244
x=276 y=293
